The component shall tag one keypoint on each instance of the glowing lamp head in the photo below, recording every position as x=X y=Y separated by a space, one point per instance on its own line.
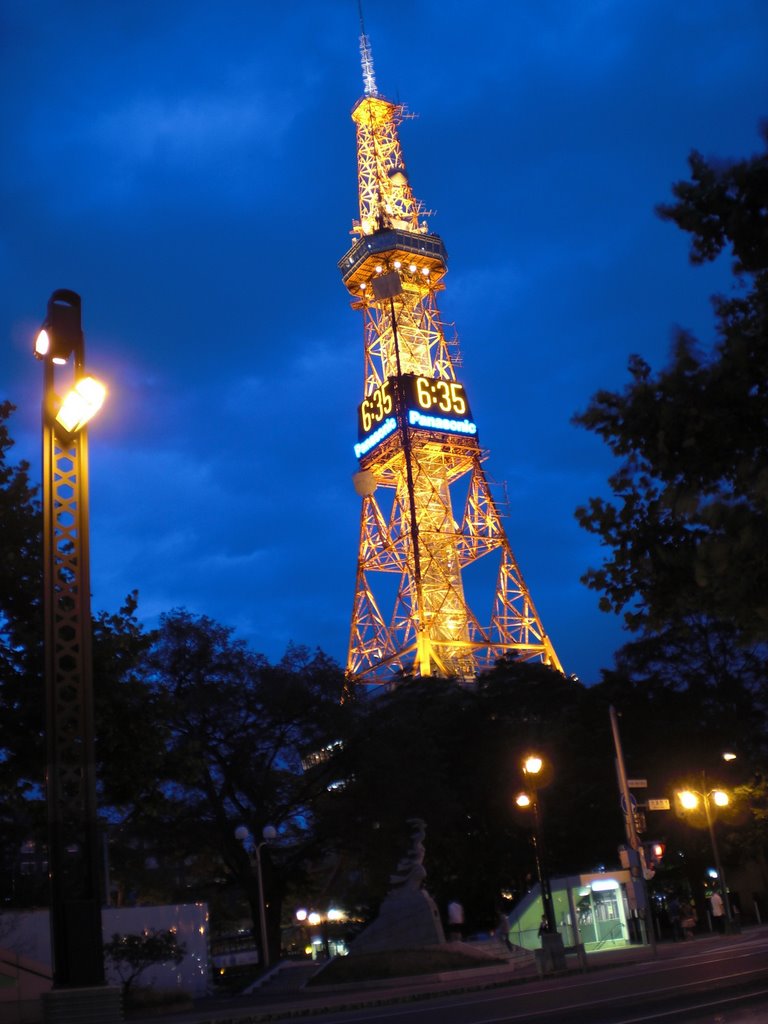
x=81 y=404
x=61 y=333
x=720 y=798
x=42 y=344
x=532 y=765
x=523 y=800
x=688 y=800
x=44 y=347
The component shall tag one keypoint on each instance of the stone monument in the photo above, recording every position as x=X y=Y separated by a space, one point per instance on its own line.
x=408 y=916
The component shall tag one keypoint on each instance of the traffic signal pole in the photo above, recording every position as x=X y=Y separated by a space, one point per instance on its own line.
x=633 y=840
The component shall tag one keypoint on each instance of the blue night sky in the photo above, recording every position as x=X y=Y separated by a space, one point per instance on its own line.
x=189 y=169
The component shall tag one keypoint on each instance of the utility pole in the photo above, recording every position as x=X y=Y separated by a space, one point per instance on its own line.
x=633 y=840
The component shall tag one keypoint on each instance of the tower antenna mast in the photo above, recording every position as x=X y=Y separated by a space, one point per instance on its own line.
x=366 y=57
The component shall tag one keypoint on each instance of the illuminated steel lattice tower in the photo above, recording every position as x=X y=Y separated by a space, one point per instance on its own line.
x=416 y=440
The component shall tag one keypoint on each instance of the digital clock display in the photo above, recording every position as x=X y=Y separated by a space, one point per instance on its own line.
x=374 y=409
x=436 y=396
x=428 y=403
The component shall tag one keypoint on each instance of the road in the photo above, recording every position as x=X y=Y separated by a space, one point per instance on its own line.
x=707 y=982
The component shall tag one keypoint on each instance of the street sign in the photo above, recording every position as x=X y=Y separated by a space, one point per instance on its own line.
x=637 y=783
x=632 y=800
x=657 y=805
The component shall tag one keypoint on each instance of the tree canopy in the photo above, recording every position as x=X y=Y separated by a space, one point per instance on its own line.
x=687 y=524
x=21 y=653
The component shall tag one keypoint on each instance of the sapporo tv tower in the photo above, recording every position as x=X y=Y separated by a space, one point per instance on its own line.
x=418 y=447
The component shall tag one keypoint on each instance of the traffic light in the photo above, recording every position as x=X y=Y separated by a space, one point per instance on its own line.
x=652 y=855
x=657 y=849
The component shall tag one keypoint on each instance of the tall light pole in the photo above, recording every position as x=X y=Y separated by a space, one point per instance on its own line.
x=532 y=767
x=552 y=948
x=268 y=834
x=689 y=801
x=73 y=834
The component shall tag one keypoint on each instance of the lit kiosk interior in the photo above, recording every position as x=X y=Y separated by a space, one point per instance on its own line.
x=591 y=910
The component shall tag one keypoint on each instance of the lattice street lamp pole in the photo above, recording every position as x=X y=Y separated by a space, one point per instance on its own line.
x=73 y=835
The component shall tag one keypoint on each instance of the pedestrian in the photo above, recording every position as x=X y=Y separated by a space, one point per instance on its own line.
x=502 y=927
x=543 y=926
x=687 y=919
x=673 y=912
x=455 y=921
x=717 y=907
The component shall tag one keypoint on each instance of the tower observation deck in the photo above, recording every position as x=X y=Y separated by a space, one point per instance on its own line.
x=418 y=448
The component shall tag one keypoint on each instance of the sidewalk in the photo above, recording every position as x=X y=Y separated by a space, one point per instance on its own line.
x=269 y=1004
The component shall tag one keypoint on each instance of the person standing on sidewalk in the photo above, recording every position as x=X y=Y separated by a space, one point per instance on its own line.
x=455 y=921
x=673 y=912
x=717 y=907
x=687 y=919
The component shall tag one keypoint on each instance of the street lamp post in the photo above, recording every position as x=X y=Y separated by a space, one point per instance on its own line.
x=689 y=801
x=268 y=834
x=73 y=832
x=552 y=951
x=532 y=767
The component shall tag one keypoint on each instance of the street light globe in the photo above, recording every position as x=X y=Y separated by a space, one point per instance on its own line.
x=81 y=404
x=523 y=800
x=533 y=764
x=720 y=797
x=42 y=343
x=242 y=833
x=688 y=799
x=269 y=832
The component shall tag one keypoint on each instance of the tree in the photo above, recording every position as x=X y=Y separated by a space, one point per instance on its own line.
x=685 y=696
x=131 y=955
x=130 y=717
x=686 y=529
x=22 y=758
x=531 y=707
x=237 y=753
x=687 y=563
x=21 y=658
x=404 y=760
x=692 y=682
x=452 y=755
